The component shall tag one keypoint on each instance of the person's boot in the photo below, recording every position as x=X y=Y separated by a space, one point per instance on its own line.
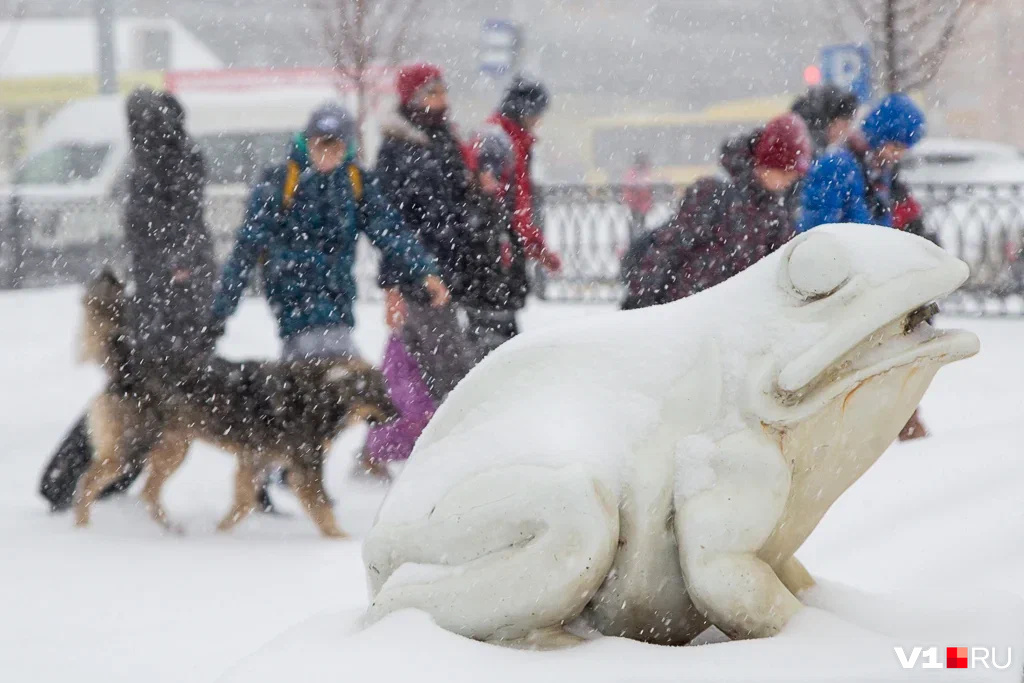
x=264 y=504
x=914 y=429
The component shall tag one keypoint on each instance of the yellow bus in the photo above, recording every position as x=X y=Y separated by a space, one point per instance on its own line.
x=680 y=147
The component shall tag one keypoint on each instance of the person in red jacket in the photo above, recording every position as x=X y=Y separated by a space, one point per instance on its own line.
x=637 y=194
x=518 y=116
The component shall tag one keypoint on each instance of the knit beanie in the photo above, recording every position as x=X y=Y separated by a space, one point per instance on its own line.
x=412 y=78
x=895 y=119
x=784 y=144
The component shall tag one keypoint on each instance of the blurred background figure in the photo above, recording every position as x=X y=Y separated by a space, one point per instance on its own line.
x=518 y=116
x=301 y=227
x=723 y=226
x=829 y=113
x=498 y=287
x=422 y=173
x=853 y=183
x=170 y=271
x=637 y=193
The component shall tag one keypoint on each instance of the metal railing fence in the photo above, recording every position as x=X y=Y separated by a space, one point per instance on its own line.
x=46 y=240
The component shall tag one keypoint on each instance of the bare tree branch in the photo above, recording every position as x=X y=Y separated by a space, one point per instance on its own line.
x=926 y=66
x=356 y=34
x=405 y=23
x=911 y=39
x=920 y=20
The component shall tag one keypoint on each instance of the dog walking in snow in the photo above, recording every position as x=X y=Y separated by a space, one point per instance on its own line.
x=265 y=413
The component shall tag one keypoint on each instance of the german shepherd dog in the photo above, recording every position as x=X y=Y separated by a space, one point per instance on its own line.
x=265 y=413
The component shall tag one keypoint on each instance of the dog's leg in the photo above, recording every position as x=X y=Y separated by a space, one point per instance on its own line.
x=165 y=458
x=308 y=484
x=107 y=424
x=245 y=496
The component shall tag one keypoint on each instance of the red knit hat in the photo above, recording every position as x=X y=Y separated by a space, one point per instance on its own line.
x=784 y=144
x=412 y=77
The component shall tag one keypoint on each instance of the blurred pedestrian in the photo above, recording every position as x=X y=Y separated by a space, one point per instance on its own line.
x=170 y=273
x=723 y=226
x=301 y=227
x=637 y=194
x=521 y=110
x=495 y=293
x=488 y=296
x=422 y=173
x=853 y=183
x=829 y=113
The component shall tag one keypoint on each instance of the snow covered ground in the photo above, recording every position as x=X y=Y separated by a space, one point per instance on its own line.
x=936 y=522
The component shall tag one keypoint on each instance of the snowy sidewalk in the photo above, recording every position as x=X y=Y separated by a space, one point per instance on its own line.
x=272 y=601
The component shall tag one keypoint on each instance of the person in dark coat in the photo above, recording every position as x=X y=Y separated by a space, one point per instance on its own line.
x=172 y=265
x=494 y=292
x=485 y=296
x=171 y=268
x=422 y=172
x=723 y=226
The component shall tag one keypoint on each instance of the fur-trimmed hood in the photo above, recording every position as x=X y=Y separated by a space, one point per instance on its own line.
x=398 y=127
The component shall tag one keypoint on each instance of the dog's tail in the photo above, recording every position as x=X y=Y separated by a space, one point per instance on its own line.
x=102 y=324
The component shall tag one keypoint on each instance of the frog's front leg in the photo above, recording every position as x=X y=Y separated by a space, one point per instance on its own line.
x=729 y=497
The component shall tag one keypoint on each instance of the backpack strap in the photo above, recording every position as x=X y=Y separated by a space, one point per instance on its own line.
x=291 y=184
x=355 y=177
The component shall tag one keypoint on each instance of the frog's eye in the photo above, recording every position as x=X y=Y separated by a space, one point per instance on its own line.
x=817 y=266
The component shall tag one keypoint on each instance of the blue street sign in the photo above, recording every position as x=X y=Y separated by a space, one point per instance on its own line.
x=500 y=41
x=848 y=67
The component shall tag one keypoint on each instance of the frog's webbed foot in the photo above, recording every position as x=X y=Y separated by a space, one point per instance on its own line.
x=505 y=554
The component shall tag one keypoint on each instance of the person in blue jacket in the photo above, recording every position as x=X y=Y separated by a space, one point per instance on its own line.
x=301 y=228
x=853 y=183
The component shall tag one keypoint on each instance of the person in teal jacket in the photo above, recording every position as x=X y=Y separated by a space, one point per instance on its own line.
x=301 y=228
x=853 y=183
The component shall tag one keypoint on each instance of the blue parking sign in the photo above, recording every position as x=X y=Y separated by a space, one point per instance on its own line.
x=848 y=67
x=500 y=42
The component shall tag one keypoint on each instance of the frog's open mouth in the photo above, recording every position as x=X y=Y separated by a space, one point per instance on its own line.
x=919 y=316
x=905 y=339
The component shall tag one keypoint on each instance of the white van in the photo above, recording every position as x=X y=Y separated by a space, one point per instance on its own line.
x=83 y=149
x=68 y=189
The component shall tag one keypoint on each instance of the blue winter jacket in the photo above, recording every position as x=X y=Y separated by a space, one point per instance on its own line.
x=834 y=191
x=307 y=252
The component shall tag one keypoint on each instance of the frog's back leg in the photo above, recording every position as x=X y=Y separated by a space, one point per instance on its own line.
x=504 y=554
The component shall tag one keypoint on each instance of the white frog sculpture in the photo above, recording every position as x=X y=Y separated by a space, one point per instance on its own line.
x=649 y=473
